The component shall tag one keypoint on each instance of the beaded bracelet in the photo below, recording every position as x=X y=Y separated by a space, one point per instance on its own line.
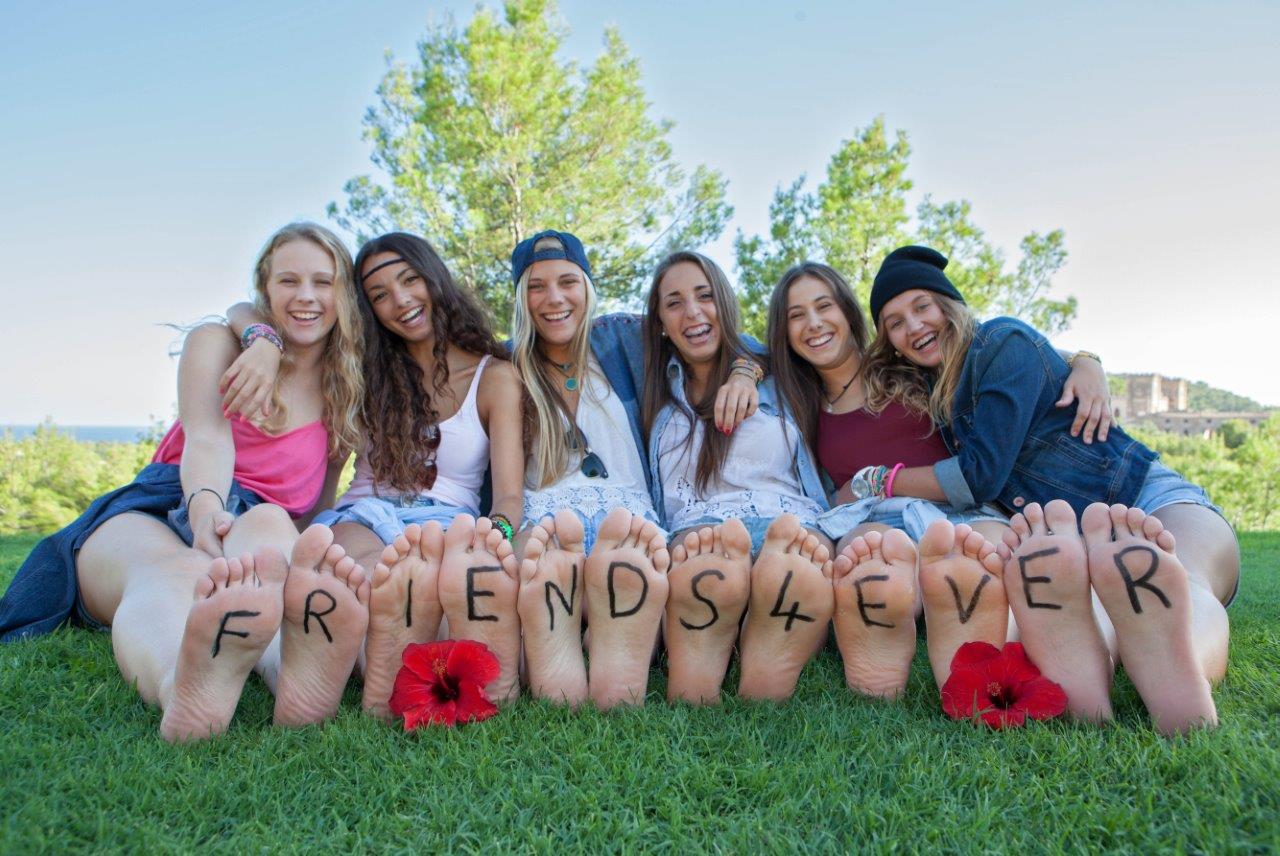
x=254 y=332
x=504 y=525
x=747 y=365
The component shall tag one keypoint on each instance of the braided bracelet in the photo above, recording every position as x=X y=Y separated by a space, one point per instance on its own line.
x=504 y=525
x=254 y=332
x=746 y=365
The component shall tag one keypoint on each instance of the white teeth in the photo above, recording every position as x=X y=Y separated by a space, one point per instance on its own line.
x=560 y=316
x=699 y=332
x=305 y=316
x=924 y=341
x=820 y=341
x=411 y=315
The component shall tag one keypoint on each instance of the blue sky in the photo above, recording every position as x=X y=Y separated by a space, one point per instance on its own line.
x=150 y=148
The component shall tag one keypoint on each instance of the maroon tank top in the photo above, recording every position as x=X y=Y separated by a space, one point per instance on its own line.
x=847 y=442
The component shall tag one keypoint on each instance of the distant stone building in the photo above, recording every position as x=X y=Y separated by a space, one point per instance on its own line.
x=1161 y=403
x=1146 y=394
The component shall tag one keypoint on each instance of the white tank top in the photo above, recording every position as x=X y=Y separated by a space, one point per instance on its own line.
x=461 y=460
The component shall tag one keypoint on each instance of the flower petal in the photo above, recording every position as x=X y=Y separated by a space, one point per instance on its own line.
x=473 y=661
x=974 y=655
x=420 y=657
x=1016 y=664
x=1000 y=718
x=473 y=703
x=964 y=693
x=1041 y=699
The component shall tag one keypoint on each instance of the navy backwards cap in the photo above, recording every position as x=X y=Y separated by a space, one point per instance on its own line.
x=906 y=268
x=570 y=250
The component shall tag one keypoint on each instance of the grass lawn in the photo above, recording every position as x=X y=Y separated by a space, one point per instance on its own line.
x=82 y=766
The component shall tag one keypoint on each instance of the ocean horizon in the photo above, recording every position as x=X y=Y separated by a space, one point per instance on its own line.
x=84 y=433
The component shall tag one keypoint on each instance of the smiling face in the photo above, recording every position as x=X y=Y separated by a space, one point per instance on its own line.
x=817 y=328
x=398 y=295
x=557 y=294
x=687 y=311
x=300 y=292
x=914 y=323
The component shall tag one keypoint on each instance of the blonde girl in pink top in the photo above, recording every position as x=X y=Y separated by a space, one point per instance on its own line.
x=213 y=515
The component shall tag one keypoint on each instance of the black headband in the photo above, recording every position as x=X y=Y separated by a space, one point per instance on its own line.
x=395 y=261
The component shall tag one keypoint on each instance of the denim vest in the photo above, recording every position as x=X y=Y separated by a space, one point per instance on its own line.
x=1012 y=445
x=803 y=467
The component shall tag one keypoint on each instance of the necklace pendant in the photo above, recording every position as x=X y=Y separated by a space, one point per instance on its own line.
x=571 y=383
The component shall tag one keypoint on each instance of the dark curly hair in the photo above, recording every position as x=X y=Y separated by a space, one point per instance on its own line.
x=399 y=409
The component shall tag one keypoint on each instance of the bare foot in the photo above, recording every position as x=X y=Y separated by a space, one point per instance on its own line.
x=479 y=580
x=550 y=605
x=710 y=580
x=404 y=608
x=626 y=579
x=235 y=616
x=326 y=612
x=1144 y=589
x=964 y=600
x=790 y=605
x=875 y=587
x=1047 y=582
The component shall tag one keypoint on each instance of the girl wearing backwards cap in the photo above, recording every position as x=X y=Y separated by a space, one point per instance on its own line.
x=1159 y=555
x=586 y=486
x=818 y=339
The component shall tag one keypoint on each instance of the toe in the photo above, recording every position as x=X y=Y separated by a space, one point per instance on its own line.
x=896 y=546
x=736 y=541
x=1060 y=517
x=938 y=540
x=1035 y=518
x=1095 y=524
x=311 y=546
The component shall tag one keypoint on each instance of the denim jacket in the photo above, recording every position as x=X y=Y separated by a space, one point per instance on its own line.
x=771 y=404
x=1010 y=444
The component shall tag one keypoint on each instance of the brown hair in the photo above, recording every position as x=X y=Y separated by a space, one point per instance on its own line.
x=795 y=378
x=398 y=408
x=658 y=351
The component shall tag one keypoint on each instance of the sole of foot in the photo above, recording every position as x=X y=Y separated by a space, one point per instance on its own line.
x=791 y=603
x=710 y=580
x=326 y=613
x=1046 y=580
x=479 y=583
x=1146 y=593
x=550 y=605
x=964 y=599
x=875 y=591
x=626 y=582
x=236 y=613
x=404 y=609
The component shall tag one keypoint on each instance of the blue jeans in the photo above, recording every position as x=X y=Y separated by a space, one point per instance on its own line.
x=387 y=517
x=909 y=514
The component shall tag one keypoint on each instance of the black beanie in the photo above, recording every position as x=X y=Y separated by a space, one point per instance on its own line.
x=906 y=268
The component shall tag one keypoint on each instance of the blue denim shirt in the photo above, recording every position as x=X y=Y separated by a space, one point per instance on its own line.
x=1010 y=444
x=803 y=466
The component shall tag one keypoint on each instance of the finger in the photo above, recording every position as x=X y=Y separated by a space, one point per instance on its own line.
x=1068 y=396
x=722 y=399
x=227 y=377
x=1091 y=424
x=1081 y=415
x=740 y=411
x=1104 y=423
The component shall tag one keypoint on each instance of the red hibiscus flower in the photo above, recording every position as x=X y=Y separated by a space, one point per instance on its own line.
x=442 y=683
x=1000 y=686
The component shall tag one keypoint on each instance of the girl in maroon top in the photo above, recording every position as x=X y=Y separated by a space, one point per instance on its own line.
x=817 y=339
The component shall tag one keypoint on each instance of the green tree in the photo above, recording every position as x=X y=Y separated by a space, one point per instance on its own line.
x=859 y=212
x=490 y=137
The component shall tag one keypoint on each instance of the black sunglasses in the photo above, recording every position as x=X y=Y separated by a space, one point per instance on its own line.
x=592 y=467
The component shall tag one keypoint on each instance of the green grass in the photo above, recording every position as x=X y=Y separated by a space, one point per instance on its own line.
x=82 y=766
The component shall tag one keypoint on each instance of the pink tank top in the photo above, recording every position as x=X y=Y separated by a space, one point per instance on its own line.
x=287 y=470
x=461 y=460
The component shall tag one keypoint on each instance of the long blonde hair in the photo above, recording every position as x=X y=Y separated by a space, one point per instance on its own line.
x=546 y=437
x=886 y=376
x=341 y=374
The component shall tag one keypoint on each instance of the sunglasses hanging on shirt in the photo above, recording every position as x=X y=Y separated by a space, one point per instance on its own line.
x=592 y=467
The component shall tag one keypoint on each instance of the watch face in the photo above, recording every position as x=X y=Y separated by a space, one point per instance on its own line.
x=860 y=487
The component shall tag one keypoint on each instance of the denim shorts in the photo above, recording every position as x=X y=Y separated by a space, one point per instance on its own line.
x=1164 y=487
x=907 y=513
x=387 y=517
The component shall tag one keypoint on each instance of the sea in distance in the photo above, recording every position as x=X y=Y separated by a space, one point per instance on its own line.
x=84 y=433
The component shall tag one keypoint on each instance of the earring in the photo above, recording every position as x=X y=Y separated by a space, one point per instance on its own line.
x=664 y=334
